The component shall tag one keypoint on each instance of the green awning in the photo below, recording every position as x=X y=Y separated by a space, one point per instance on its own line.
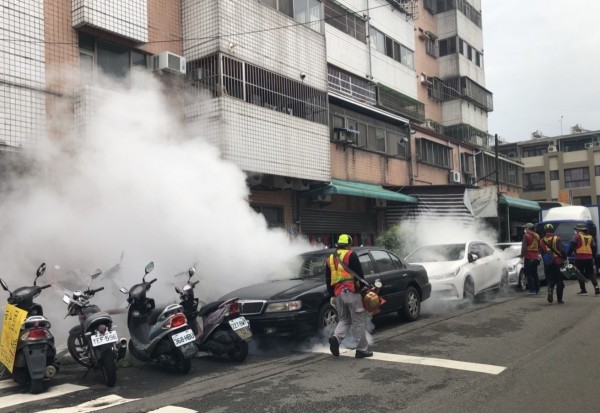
x=519 y=203
x=339 y=187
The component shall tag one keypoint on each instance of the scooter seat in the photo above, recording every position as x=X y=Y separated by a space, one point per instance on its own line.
x=209 y=308
x=92 y=318
x=153 y=315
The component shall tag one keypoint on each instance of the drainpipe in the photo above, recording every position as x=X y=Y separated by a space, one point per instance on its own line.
x=370 y=74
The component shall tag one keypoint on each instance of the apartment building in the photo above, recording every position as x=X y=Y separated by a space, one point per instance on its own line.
x=563 y=168
x=333 y=108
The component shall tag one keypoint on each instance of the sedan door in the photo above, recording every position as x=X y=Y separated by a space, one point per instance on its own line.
x=393 y=276
x=483 y=269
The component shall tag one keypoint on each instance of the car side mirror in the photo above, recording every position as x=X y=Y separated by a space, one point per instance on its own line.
x=473 y=257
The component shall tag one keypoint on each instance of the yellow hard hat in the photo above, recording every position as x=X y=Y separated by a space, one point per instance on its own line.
x=344 y=239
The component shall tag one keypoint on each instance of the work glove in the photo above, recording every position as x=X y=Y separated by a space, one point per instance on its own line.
x=332 y=302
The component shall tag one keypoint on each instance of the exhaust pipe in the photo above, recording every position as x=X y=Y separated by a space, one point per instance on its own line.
x=122 y=348
x=50 y=371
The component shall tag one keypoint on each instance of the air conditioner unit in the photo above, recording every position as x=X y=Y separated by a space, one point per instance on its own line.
x=430 y=124
x=322 y=198
x=301 y=184
x=454 y=177
x=425 y=80
x=551 y=148
x=254 y=179
x=378 y=203
x=589 y=145
x=596 y=143
x=344 y=135
x=282 y=182
x=169 y=62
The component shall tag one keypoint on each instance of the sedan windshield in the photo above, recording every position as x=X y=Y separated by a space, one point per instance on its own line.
x=308 y=266
x=437 y=253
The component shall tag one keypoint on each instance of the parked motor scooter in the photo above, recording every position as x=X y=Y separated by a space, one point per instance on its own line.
x=35 y=355
x=161 y=335
x=94 y=343
x=222 y=329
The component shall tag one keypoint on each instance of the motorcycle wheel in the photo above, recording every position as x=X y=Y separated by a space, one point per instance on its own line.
x=109 y=368
x=241 y=351
x=78 y=350
x=37 y=386
x=182 y=365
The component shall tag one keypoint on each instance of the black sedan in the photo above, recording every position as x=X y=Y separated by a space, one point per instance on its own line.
x=299 y=305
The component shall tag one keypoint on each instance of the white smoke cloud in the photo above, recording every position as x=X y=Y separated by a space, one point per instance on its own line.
x=138 y=183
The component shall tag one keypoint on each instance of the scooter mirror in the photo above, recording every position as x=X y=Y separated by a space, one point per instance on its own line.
x=4 y=286
x=66 y=299
x=191 y=272
x=41 y=270
x=96 y=273
x=124 y=290
x=149 y=267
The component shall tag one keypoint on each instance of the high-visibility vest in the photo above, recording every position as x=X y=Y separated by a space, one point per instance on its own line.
x=533 y=245
x=338 y=273
x=550 y=240
x=583 y=250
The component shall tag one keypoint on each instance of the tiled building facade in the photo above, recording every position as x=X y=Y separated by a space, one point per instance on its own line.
x=374 y=95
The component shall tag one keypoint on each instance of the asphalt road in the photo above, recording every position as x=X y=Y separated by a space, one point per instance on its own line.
x=502 y=354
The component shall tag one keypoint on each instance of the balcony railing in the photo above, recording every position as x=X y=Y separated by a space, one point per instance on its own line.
x=396 y=102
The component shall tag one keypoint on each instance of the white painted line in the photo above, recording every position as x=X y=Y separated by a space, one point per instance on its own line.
x=93 y=405
x=54 y=391
x=173 y=409
x=427 y=361
x=7 y=384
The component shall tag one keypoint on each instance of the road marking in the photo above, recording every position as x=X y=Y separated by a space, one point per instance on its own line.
x=427 y=361
x=93 y=405
x=6 y=384
x=173 y=409
x=54 y=391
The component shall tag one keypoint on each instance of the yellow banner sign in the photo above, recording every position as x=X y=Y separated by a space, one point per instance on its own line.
x=13 y=320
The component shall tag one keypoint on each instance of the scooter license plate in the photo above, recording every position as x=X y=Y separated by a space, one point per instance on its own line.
x=184 y=337
x=106 y=338
x=238 y=323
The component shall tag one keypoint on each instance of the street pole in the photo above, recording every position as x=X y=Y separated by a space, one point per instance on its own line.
x=497 y=186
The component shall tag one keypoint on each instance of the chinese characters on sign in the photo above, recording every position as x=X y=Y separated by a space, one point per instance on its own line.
x=13 y=320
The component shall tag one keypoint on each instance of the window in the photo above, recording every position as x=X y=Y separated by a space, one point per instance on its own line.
x=264 y=88
x=577 y=177
x=273 y=215
x=380 y=139
x=112 y=59
x=535 y=181
x=351 y=24
x=597 y=170
x=554 y=175
x=434 y=153
x=351 y=85
x=448 y=46
x=391 y=48
x=431 y=47
x=582 y=200
x=383 y=260
x=307 y=12
x=537 y=151
x=373 y=134
x=367 y=264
